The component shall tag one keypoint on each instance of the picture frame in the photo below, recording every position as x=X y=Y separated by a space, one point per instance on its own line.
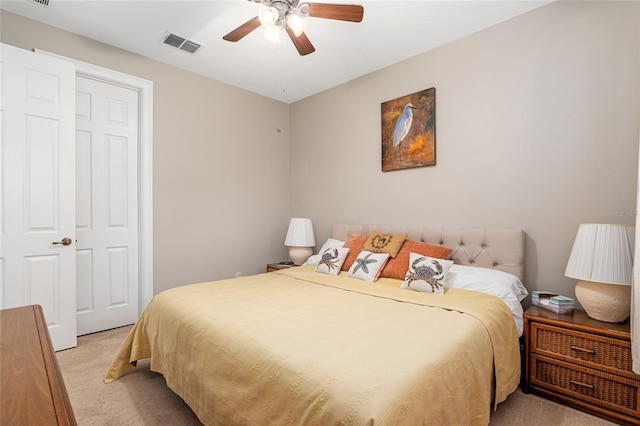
x=409 y=131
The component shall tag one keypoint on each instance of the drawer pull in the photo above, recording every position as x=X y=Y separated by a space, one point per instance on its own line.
x=584 y=385
x=588 y=351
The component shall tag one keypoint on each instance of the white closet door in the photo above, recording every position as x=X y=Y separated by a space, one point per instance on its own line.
x=37 y=105
x=106 y=205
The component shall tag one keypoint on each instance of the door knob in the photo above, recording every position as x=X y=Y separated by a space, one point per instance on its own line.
x=65 y=241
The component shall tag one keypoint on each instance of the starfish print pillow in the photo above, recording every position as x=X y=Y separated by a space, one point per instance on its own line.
x=426 y=274
x=368 y=265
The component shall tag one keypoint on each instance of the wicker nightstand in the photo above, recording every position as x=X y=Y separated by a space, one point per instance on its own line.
x=581 y=362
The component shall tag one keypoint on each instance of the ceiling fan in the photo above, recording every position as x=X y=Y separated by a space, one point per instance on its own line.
x=290 y=15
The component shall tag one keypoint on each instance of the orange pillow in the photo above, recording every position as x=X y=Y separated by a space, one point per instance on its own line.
x=398 y=267
x=354 y=243
x=384 y=243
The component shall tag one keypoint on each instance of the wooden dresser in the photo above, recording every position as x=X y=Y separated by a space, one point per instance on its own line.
x=581 y=362
x=32 y=391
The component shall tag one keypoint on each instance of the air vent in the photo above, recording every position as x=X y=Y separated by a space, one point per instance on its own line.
x=42 y=2
x=180 y=42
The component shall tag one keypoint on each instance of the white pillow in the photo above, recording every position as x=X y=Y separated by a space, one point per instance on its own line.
x=505 y=286
x=368 y=266
x=426 y=274
x=463 y=276
x=330 y=243
x=331 y=260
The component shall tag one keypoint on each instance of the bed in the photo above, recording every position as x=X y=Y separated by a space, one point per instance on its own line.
x=301 y=347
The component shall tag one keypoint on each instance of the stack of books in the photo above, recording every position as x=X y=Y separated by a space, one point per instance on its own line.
x=553 y=302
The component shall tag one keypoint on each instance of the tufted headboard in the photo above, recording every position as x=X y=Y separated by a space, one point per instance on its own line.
x=497 y=248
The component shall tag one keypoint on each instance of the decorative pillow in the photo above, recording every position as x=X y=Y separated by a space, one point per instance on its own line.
x=330 y=243
x=426 y=274
x=367 y=265
x=384 y=243
x=331 y=260
x=354 y=243
x=397 y=268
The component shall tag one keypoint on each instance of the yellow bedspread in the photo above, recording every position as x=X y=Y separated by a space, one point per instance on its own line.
x=297 y=347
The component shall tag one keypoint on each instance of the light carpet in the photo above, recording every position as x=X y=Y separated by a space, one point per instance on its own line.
x=142 y=397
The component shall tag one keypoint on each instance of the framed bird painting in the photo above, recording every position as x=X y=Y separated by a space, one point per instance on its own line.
x=409 y=131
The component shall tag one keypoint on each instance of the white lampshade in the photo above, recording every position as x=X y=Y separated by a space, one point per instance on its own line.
x=602 y=253
x=300 y=239
x=602 y=261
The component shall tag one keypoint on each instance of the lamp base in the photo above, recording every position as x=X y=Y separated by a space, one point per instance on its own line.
x=300 y=254
x=604 y=302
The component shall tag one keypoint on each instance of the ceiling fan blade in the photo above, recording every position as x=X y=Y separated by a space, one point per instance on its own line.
x=301 y=42
x=243 y=30
x=340 y=12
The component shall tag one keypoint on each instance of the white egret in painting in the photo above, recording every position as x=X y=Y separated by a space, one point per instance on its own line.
x=403 y=125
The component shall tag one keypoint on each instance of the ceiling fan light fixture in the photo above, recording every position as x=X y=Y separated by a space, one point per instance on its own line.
x=268 y=15
x=273 y=33
x=297 y=23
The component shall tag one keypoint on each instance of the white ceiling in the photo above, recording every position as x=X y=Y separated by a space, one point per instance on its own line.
x=391 y=31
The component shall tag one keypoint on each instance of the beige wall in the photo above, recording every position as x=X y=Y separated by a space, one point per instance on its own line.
x=221 y=169
x=537 y=128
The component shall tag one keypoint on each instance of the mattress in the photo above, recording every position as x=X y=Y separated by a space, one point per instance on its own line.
x=296 y=347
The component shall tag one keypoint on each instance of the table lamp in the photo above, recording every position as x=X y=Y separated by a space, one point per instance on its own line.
x=300 y=240
x=601 y=260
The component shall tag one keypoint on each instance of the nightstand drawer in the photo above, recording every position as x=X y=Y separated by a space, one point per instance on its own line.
x=584 y=384
x=589 y=350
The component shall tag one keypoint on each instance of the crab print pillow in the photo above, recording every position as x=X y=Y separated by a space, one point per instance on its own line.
x=331 y=260
x=367 y=265
x=426 y=274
